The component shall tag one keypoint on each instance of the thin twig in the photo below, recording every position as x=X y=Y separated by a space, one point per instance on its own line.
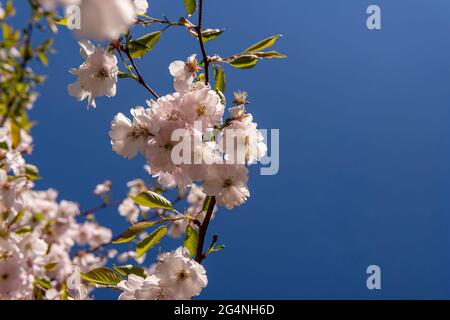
x=140 y=78
x=161 y=21
x=104 y=205
x=201 y=42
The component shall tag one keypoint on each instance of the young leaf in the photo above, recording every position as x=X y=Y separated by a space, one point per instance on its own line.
x=51 y=266
x=135 y=230
x=23 y=230
x=15 y=135
x=244 y=62
x=31 y=171
x=191 y=240
x=191 y=6
x=129 y=269
x=151 y=241
x=209 y=34
x=218 y=248
x=263 y=44
x=123 y=75
x=43 y=284
x=102 y=276
x=4 y=145
x=18 y=217
x=61 y=21
x=269 y=55
x=219 y=76
x=206 y=203
x=139 y=47
x=151 y=199
x=43 y=57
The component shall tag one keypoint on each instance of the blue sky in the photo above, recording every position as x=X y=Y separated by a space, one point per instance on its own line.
x=364 y=119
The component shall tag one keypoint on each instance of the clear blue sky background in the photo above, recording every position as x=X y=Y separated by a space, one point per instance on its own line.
x=364 y=118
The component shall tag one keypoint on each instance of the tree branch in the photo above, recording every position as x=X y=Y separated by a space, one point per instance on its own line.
x=199 y=256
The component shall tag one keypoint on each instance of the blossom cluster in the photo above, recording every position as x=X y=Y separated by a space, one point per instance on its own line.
x=190 y=140
x=194 y=113
x=37 y=233
x=175 y=276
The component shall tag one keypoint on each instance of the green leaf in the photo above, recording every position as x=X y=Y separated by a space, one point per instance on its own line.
x=43 y=57
x=61 y=21
x=123 y=75
x=263 y=44
x=32 y=172
x=43 y=284
x=218 y=248
x=244 y=62
x=269 y=55
x=102 y=276
x=191 y=6
x=129 y=269
x=139 y=47
x=18 y=217
x=4 y=145
x=206 y=203
x=219 y=76
x=65 y=293
x=211 y=34
x=24 y=230
x=191 y=240
x=152 y=199
x=149 y=242
x=215 y=248
x=51 y=266
x=15 y=134
x=135 y=230
x=9 y=8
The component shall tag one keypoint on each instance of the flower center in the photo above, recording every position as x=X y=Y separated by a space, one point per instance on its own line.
x=174 y=116
x=192 y=66
x=139 y=132
x=168 y=146
x=182 y=275
x=201 y=110
x=102 y=73
x=227 y=183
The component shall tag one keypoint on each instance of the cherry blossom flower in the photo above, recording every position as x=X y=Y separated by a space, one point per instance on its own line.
x=202 y=105
x=127 y=137
x=128 y=255
x=97 y=76
x=129 y=210
x=179 y=276
x=94 y=235
x=77 y=290
x=247 y=142
x=106 y=20
x=13 y=279
x=138 y=288
x=103 y=188
x=184 y=73
x=140 y=6
x=228 y=183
